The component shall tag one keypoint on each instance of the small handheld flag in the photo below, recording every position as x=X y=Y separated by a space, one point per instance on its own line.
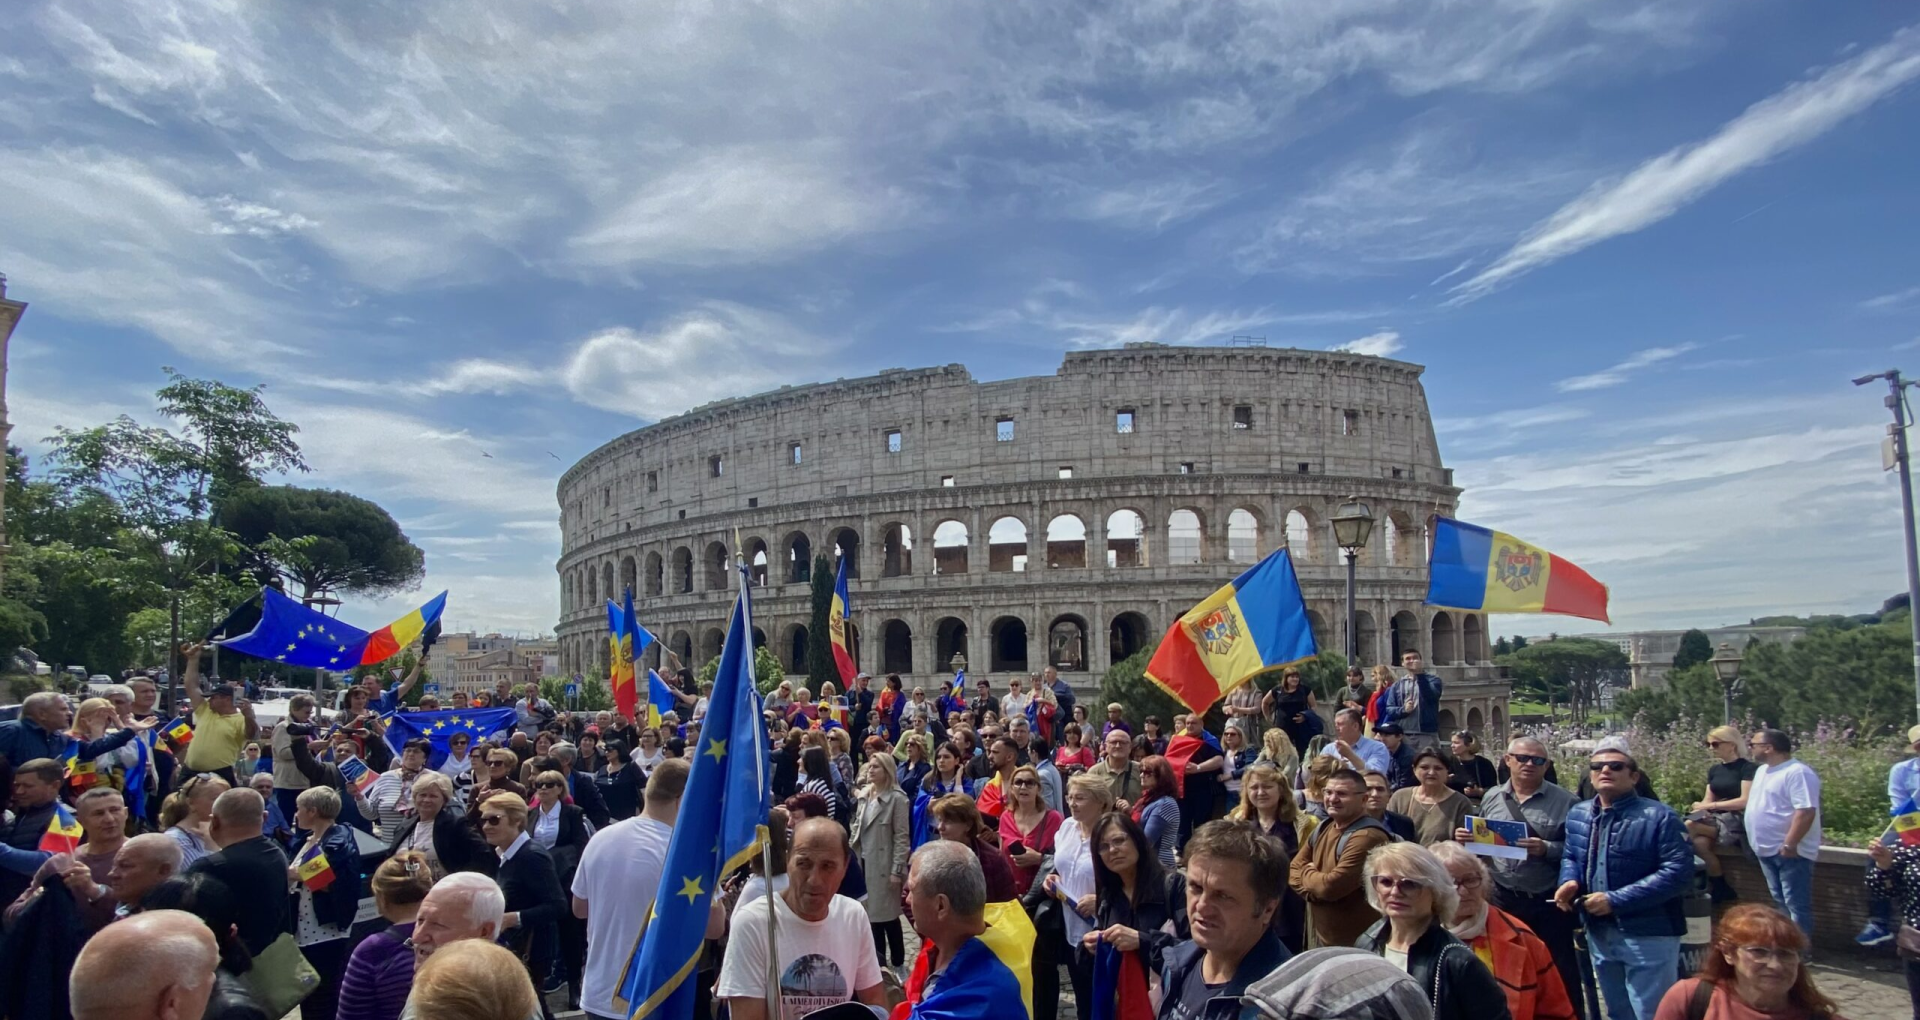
x=314 y=871
x=659 y=698
x=1906 y=822
x=180 y=733
x=357 y=775
x=63 y=835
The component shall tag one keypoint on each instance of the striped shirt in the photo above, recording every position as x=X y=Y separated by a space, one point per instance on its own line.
x=378 y=977
x=391 y=797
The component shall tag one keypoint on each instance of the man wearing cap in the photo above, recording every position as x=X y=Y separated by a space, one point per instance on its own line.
x=221 y=728
x=1903 y=787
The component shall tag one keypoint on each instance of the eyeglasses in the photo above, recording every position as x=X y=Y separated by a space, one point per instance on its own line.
x=546 y=786
x=1024 y=782
x=1469 y=883
x=493 y=819
x=1535 y=760
x=1115 y=844
x=1389 y=883
x=1768 y=954
x=1608 y=766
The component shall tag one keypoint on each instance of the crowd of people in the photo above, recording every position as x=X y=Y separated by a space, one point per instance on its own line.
x=1279 y=862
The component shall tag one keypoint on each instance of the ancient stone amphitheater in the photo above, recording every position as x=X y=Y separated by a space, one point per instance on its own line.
x=1064 y=519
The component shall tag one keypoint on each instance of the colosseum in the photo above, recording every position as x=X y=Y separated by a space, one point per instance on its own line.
x=1064 y=519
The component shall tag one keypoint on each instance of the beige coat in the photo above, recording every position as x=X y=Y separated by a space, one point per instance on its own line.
x=882 y=837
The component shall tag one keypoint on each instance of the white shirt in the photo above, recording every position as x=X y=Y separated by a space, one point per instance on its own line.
x=1014 y=704
x=1778 y=791
x=546 y=824
x=822 y=963
x=1073 y=862
x=454 y=767
x=513 y=848
x=619 y=876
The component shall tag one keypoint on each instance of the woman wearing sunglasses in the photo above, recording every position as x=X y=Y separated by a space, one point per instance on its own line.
x=535 y=899
x=1416 y=897
x=1717 y=822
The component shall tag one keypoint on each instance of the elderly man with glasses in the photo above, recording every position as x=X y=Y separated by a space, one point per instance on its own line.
x=1524 y=888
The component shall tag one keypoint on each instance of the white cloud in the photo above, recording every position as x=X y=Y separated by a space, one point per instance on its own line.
x=1663 y=185
x=1383 y=344
x=257 y=220
x=1620 y=372
x=1891 y=300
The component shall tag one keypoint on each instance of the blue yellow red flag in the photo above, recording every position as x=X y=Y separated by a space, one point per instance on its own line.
x=1485 y=571
x=300 y=636
x=1256 y=623
x=1906 y=822
x=837 y=628
x=63 y=835
x=722 y=823
x=314 y=871
x=620 y=658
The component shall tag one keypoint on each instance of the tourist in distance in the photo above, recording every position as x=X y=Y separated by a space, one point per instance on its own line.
x=1903 y=786
x=1783 y=824
x=1716 y=822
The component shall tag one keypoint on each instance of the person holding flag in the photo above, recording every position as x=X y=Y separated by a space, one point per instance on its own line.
x=80 y=846
x=325 y=876
x=1903 y=795
x=626 y=642
x=721 y=825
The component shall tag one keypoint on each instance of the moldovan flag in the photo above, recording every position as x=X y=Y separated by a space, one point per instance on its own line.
x=1484 y=571
x=1906 y=822
x=314 y=871
x=837 y=627
x=63 y=833
x=180 y=733
x=1255 y=624
x=357 y=774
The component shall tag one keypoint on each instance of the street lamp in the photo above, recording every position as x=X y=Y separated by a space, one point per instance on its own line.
x=1352 y=525
x=1726 y=666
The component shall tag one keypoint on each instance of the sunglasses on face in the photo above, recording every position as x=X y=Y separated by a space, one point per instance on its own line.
x=546 y=786
x=1528 y=759
x=1389 y=883
x=498 y=763
x=1609 y=766
x=1715 y=743
x=1024 y=782
x=493 y=819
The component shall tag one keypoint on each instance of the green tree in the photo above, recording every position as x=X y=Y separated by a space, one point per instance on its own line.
x=1519 y=642
x=323 y=540
x=1502 y=647
x=1572 y=669
x=595 y=695
x=1126 y=682
x=1694 y=649
x=767 y=673
x=392 y=669
x=820 y=665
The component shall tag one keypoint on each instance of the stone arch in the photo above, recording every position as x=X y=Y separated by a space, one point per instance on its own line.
x=846 y=546
x=793 y=648
x=1007 y=545
x=896 y=647
x=1066 y=542
x=1476 y=723
x=1402 y=538
x=681 y=644
x=799 y=552
x=1499 y=719
x=606 y=579
x=629 y=577
x=949 y=639
x=1126 y=538
x=1127 y=634
x=1322 y=637
x=896 y=552
x=650 y=658
x=1067 y=643
x=1406 y=635
x=1473 y=638
x=1448 y=721
x=1366 y=637
x=1243 y=536
x=682 y=570
x=1303 y=535
x=1007 y=645
x=1446 y=640
x=853 y=651
x=711 y=643
x=716 y=560
x=1186 y=537
x=759 y=638
x=758 y=560
x=950 y=548
x=656 y=574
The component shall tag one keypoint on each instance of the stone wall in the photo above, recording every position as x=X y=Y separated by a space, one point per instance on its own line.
x=1839 y=894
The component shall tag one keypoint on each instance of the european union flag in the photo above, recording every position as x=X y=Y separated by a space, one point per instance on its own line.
x=723 y=818
x=436 y=727
x=298 y=636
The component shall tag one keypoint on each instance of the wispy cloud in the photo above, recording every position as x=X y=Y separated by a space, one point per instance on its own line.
x=1383 y=344
x=1663 y=185
x=1891 y=300
x=1619 y=373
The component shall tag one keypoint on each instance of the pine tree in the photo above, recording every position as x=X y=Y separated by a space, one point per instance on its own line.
x=819 y=639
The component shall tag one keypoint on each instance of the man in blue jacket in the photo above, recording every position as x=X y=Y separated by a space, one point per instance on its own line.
x=1414 y=702
x=1625 y=869
x=41 y=732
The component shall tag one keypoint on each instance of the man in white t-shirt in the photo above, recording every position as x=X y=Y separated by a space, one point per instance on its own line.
x=614 y=887
x=1783 y=824
x=826 y=949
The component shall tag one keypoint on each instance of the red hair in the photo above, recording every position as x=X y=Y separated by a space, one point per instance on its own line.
x=1756 y=924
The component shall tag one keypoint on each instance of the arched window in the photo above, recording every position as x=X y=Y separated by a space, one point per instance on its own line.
x=1300 y=539
x=682 y=570
x=1126 y=539
x=1185 y=537
x=629 y=577
x=1066 y=542
x=1243 y=536
x=1126 y=635
x=896 y=552
x=1007 y=545
x=759 y=638
x=717 y=563
x=1008 y=644
x=896 y=647
x=1406 y=635
x=799 y=559
x=950 y=548
x=1322 y=638
x=710 y=644
x=656 y=574
x=1446 y=639
x=757 y=556
x=795 y=645
x=1473 y=646
x=846 y=546
x=682 y=645
x=949 y=639
x=1067 y=644
x=1366 y=637
x=606 y=579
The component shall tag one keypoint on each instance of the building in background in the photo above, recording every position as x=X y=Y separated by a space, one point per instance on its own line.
x=1650 y=652
x=476 y=662
x=10 y=312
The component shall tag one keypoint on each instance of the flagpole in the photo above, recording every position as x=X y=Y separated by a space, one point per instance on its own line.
x=760 y=769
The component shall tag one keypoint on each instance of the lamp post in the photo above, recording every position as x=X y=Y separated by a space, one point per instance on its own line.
x=1352 y=525
x=1897 y=453
x=1726 y=666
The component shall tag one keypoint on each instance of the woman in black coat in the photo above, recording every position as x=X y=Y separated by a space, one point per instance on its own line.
x=450 y=843
x=561 y=829
x=1139 y=906
x=535 y=899
x=1415 y=896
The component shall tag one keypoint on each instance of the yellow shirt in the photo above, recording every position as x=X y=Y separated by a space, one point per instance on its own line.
x=217 y=739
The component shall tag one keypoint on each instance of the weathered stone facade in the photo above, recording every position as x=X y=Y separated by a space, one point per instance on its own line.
x=997 y=520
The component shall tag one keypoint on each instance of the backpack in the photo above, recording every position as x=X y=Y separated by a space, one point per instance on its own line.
x=1365 y=822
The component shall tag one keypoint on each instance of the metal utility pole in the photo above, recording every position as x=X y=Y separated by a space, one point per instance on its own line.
x=1897 y=401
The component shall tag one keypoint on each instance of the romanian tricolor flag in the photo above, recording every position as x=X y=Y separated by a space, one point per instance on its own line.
x=385 y=643
x=992 y=799
x=837 y=627
x=1255 y=624
x=297 y=635
x=989 y=971
x=180 y=733
x=314 y=871
x=63 y=835
x=1483 y=571
x=1906 y=822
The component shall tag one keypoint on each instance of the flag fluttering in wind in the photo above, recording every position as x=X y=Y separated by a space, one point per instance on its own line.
x=1484 y=571
x=722 y=823
x=298 y=636
x=1256 y=623
x=837 y=628
x=659 y=698
x=436 y=727
x=626 y=642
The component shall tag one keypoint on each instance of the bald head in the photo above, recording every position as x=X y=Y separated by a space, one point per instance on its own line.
x=238 y=814
x=156 y=965
x=143 y=862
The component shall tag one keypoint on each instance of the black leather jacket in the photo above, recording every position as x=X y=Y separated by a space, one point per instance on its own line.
x=1454 y=980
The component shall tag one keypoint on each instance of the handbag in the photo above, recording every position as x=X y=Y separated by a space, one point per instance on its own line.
x=281 y=977
x=1908 y=942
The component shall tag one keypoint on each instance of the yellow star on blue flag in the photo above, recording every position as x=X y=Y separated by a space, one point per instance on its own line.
x=690 y=888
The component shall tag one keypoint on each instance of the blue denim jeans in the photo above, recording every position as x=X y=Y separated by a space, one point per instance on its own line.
x=1633 y=971
x=1790 y=882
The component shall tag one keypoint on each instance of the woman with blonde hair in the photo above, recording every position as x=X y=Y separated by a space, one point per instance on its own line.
x=528 y=880
x=1265 y=802
x=187 y=814
x=1278 y=751
x=1415 y=897
x=473 y=979
x=1071 y=881
x=1717 y=822
x=380 y=971
x=881 y=838
x=1318 y=770
x=92 y=721
x=325 y=877
x=440 y=833
x=1382 y=677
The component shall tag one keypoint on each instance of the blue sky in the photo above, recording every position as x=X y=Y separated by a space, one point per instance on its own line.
x=1640 y=247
